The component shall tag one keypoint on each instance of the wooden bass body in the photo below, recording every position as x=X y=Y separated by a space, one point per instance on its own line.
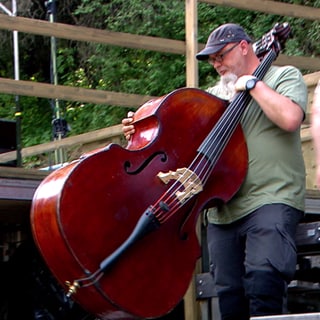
x=82 y=212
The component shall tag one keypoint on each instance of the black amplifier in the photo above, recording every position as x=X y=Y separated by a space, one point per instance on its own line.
x=8 y=139
x=308 y=237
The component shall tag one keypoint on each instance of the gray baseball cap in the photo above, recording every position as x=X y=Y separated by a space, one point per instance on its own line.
x=220 y=37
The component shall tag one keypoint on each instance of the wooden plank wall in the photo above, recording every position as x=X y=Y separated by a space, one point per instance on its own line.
x=307 y=143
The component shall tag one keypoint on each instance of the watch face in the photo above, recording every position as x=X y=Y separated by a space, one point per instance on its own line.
x=250 y=84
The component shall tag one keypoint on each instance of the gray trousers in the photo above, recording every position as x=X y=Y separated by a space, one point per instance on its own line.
x=252 y=260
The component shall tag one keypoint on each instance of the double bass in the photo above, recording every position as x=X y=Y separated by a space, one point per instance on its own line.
x=116 y=227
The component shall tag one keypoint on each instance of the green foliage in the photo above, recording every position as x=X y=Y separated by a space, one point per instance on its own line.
x=36 y=120
x=7 y=107
x=122 y=69
x=161 y=18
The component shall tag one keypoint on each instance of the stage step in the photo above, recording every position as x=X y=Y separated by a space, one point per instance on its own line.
x=302 y=316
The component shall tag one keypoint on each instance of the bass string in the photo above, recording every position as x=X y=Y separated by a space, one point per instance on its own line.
x=220 y=135
x=211 y=149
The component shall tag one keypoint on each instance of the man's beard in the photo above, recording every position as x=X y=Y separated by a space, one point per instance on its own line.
x=227 y=85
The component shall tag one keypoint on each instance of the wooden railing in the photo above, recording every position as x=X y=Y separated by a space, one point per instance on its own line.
x=114 y=133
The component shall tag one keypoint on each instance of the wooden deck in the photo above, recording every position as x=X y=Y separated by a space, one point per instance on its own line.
x=17 y=186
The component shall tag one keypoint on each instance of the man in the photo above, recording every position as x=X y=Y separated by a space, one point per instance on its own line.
x=315 y=129
x=251 y=238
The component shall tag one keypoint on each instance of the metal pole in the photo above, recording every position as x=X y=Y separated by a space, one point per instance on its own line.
x=17 y=77
x=13 y=13
x=4 y=9
x=58 y=121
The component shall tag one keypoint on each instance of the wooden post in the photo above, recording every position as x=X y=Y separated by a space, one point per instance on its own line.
x=191 y=306
x=191 y=22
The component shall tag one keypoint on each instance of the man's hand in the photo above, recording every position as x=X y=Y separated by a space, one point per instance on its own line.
x=128 y=128
x=240 y=84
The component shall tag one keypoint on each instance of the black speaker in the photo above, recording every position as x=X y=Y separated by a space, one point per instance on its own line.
x=8 y=140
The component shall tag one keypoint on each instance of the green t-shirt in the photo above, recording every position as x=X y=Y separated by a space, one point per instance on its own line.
x=276 y=172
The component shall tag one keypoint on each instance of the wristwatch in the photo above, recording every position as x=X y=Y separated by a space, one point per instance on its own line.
x=251 y=83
